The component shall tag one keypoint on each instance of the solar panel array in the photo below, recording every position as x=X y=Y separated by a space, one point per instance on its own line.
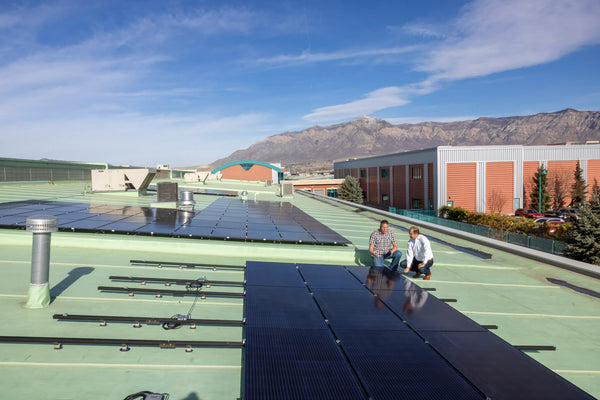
x=334 y=332
x=225 y=218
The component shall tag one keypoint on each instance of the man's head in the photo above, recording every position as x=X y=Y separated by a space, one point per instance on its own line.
x=384 y=226
x=413 y=232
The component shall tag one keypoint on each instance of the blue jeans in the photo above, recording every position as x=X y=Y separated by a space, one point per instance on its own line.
x=378 y=261
x=426 y=269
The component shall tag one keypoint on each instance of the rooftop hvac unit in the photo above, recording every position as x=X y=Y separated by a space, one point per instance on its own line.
x=287 y=189
x=114 y=180
x=269 y=182
x=167 y=192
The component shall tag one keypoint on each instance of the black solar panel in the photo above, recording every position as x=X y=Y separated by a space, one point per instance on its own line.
x=498 y=369
x=328 y=276
x=273 y=274
x=438 y=354
x=282 y=307
x=297 y=364
x=223 y=219
x=400 y=365
x=356 y=309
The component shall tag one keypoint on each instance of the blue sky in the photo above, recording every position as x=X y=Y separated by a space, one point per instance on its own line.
x=188 y=82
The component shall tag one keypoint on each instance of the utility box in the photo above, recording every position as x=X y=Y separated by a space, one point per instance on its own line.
x=120 y=180
x=286 y=189
x=167 y=192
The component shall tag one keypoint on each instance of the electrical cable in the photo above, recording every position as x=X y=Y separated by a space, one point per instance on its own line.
x=197 y=285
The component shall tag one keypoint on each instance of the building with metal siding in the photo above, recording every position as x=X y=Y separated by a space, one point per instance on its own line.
x=478 y=178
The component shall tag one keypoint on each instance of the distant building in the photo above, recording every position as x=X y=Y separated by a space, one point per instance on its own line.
x=325 y=187
x=250 y=170
x=477 y=178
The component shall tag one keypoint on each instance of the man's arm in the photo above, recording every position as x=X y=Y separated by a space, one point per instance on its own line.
x=372 y=250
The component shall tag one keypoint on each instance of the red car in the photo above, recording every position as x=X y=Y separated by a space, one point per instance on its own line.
x=528 y=213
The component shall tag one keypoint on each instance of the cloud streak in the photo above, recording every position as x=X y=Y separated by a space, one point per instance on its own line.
x=489 y=36
x=374 y=101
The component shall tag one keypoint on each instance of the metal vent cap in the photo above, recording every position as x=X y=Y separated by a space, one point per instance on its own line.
x=42 y=224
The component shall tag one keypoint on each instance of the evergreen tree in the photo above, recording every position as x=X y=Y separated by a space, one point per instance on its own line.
x=579 y=188
x=350 y=190
x=540 y=183
x=583 y=241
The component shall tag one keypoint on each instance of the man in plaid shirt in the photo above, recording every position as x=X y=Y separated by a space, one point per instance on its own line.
x=382 y=245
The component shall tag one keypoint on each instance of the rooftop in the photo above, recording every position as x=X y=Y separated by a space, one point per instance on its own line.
x=531 y=302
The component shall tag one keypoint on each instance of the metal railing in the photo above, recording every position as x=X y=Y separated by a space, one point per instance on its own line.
x=546 y=245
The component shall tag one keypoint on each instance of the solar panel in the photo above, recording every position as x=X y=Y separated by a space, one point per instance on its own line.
x=328 y=276
x=223 y=219
x=272 y=274
x=296 y=364
x=356 y=309
x=500 y=370
x=400 y=365
x=282 y=307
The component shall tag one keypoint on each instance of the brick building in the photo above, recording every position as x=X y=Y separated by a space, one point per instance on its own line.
x=477 y=178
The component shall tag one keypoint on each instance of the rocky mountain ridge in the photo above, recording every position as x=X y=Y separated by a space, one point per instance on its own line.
x=318 y=147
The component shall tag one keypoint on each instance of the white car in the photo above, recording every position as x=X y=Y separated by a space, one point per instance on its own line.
x=549 y=219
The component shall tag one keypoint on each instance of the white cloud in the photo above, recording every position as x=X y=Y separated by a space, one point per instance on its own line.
x=131 y=138
x=499 y=35
x=490 y=36
x=308 y=57
x=374 y=101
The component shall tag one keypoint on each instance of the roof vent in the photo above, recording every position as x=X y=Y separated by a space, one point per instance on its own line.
x=42 y=224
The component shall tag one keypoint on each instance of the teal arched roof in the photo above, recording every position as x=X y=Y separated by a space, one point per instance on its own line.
x=244 y=163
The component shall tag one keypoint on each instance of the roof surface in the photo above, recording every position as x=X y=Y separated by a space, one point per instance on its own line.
x=531 y=302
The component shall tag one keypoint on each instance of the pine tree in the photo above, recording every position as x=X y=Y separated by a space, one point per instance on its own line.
x=350 y=190
x=540 y=183
x=583 y=241
x=578 y=189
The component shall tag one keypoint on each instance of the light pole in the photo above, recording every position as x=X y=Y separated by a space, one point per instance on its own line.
x=542 y=173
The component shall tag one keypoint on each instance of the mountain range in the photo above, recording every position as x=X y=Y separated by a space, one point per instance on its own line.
x=319 y=146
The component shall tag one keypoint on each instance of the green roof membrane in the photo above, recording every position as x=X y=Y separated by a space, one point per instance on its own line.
x=519 y=295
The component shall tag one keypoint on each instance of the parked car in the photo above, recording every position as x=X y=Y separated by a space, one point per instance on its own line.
x=555 y=214
x=571 y=214
x=549 y=220
x=528 y=213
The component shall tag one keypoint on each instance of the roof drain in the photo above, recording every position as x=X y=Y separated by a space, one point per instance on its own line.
x=41 y=227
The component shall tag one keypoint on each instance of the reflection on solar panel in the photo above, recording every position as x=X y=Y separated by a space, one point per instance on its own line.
x=226 y=219
x=312 y=333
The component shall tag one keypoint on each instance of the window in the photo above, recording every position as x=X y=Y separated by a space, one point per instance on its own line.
x=384 y=172
x=416 y=204
x=332 y=193
x=385 y=198
x=417 y=172
x=363 y=173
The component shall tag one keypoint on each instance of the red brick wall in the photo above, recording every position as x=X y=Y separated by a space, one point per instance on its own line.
x=416 y=187
x=429 y=186
x=399 y=186
x=372 y=194
x=384 y=184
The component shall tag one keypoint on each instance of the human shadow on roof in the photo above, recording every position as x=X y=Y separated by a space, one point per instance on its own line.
x=191 y=396
x=363 y=257
x=74 y=274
